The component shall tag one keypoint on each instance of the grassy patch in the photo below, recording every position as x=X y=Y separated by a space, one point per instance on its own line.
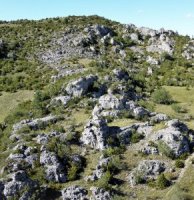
x=185 y=188
x=9 y=101
x=159 y=126
x=122 y=122
x=80 y=116
x=85 y=61
x=184 y=98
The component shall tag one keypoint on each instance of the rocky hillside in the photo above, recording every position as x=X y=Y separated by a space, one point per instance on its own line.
x=111 y=116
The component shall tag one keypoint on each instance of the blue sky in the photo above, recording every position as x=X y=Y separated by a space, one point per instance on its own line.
x=177 y=15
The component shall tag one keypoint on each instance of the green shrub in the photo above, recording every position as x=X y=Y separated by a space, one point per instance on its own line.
x=179 y=164
x=162 y=182
x=59 y=147
x=126 y=114
x=162 y=96
x=113 y=151
x=152 y=144
x=184 y=156
x=139 y=177
x=151 y=183
x=146 y=104
x=104 y=181
x=136 y=137
x=72 y=172
x=115 y=164
x=178 y=109
x=165 y=149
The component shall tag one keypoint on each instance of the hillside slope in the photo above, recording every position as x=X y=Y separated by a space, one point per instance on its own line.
x=95 y=109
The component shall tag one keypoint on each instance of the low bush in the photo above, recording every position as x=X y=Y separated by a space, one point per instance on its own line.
x=179 y=164
x=162 y=182
x=165 y=149
x=161 y=96
x=105 y=180
x=178 y=109
x=136 y=137
x=72 y=172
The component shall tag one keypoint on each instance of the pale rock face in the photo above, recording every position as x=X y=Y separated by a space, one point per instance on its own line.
x=33 y=124
x=136 y=110
x=54 y=169
x=73 y=43
x=74 y=192
x=160 y=45
x=110 y=101
x=188 y=51
x=99 y=30
x=99 y=171
x=147 y=31
x=144 y=128
x=99 y=194
x=27 y=155
x=112 y=105
x=152 y=61
x=95 y=134
x=66 y=70
x=122 y=53
x=19 y=181
x=148 y=149
x=174 y=137
x=159 y=117
x=134 y=37
x=146 y=169
x=80 y=87
x=69 y=45
x=61 y=99
x=125 y=134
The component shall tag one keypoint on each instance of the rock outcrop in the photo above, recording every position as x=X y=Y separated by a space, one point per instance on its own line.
x=43 y=138
x=76 y=43
x=99 y=194
x=158 y=117
x=60 y=100
x=66 y=70
x=19 y=185
x=110 y=101
x=145 y=170
x=24 y=158
x=100 y=169
x=149 y=149
x=80 y=87
x=113 y=105
x=34 y=123
x=188 y=51
x=54 y=169
x=75 y=192
x=174 y=137
x=95 y=133
x=161 y=44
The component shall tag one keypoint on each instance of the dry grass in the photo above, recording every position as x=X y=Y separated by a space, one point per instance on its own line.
x=159 y=126
x=122 y=122
x=9 y=101
x=85 y=61
x=184 y=98
x=184 y=189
